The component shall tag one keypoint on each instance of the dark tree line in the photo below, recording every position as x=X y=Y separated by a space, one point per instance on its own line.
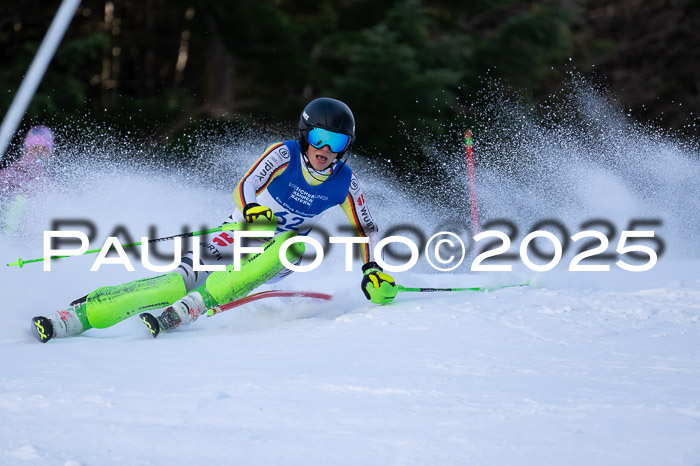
x=407 y=67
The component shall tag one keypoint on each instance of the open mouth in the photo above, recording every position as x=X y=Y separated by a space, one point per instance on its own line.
x=321 y=159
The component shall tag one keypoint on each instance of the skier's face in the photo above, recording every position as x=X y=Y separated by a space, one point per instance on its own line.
x=321 y=158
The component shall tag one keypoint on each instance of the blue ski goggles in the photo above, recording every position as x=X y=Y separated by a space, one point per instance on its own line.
x=319 y=137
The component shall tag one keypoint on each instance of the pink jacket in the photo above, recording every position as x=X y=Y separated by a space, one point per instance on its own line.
x=22 y=176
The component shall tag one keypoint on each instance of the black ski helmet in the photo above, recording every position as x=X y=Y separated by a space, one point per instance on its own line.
x=326 y=113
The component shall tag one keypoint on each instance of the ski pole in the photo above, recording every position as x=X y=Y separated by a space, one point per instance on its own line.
x=402 y=288
x=225 y=227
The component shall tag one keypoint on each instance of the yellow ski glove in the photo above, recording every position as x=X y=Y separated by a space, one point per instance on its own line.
x=253 y=211
x=378 y=287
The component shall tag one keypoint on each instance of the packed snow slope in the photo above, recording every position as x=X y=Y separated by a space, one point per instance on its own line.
x=578 y=368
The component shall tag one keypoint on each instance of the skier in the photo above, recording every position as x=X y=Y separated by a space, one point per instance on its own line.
x=290 y=186
x=21 y=178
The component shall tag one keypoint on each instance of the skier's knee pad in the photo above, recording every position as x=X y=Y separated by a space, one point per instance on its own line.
x=256 y=269
x=109 y=305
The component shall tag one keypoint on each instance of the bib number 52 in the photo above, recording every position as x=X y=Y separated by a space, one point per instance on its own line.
x=288 y=222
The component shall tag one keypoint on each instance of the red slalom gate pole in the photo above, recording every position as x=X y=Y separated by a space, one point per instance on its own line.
x=468 y=141
x=267 y=294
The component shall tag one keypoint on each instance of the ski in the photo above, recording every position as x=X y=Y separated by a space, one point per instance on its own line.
x=154 y=323
x=151 y=322
x=43 y=328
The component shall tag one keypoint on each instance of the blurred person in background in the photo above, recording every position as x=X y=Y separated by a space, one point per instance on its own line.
x=20 y=178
